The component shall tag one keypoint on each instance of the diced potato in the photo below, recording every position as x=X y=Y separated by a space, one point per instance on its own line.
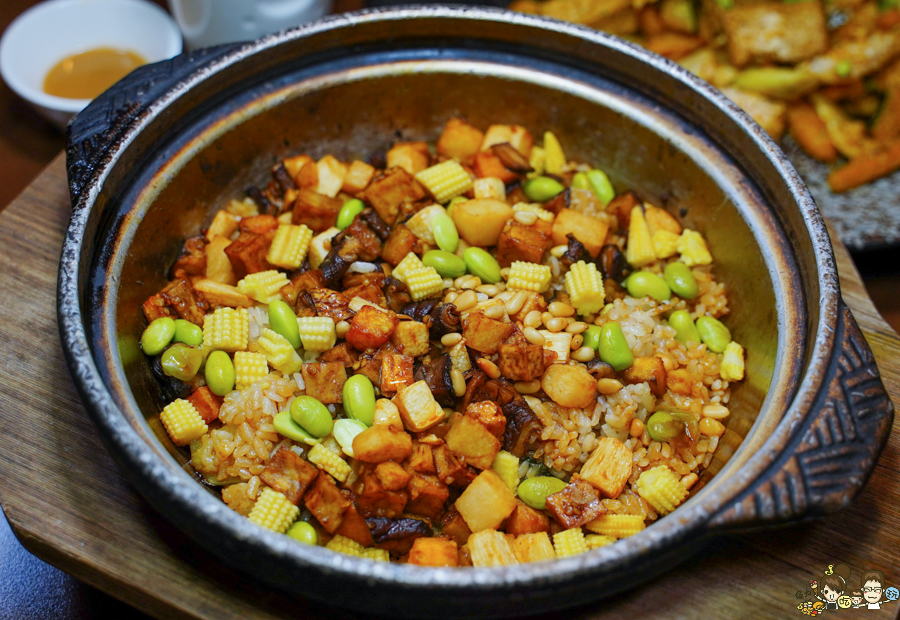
x=218 y=294
x=380 y=443
x=490 y=187
x=417 y=407
x=460 y=140
x=259 y=224
x=518 y=242
x=527 y=520
x=399 y=244
x=387 y=414
x=488 y=165
x=392 y=476
x=484 y=334
x=411 y=338
x=427 y=495
x=359 y=175
x=331 y=176
x=386 y=194
x=422 y=458
x=318 y=211
x=308 y=175
x=396 y=372
x=489 y=415
x=436 y=551
x=355 y=528
x=533 y=547
x=569 y=386
x=480 y=222
x=647 y=369
x=519 y=137
x=591 y=231
x=470 y=439
x=660 y=219
x=218 y=266
x=223 y=225
x=325 y=381
x=486 y=502
x=411 y=156
x=420 y=223
x=326 y=502
x=490 y=548
x=294 y=164
x=609 y=466
x=371 y=328
x=320 y=246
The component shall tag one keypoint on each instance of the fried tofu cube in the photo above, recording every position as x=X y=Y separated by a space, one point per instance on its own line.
x=488 y=414
x=422 y=459
x=371 y=328
x=392 y=476
x=576 y=504
x=411 y=156
x=609 y=466
x=316 y=211
x=484 y=334
x=533 y=547
x=374 y=499
x=331 y=177
x=399 y=244
x=380 y=443
x=359 y=175
x=521 y=363
x=354 y=527
x=486 y=502
x=450 y=468
x=519 y=242
x=289 y=474
x=519 y=137
x=590 y=231
x=417 y=407
x=411 y=338
x=396 y=372
x=306 y=281
x=487 y=165
x=427 y=495
x=206 y=403
x=647 y=369
x=436 y=551
x=460 y=140
x=293 y=164
x=527 y=520
x=773 y=32
x=326 y=503
x=386 y=194
x=325 y=381
x=259 y=224
x=248 y=253
x=468 y=438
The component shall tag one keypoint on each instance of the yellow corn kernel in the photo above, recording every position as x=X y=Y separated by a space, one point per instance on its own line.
x=532 y=277
x=617 y=526
x=183 y=422
x=569 y=542
x=409 y=263
x=279 y=352
x=445 y=180
x=536 y=160
x=665 y=243
x=507 y=467
x=595 y=541
x=421 y=223
x=558 y=342
x=489 y=187
x=379 y=555
x=320 y=246
x=242 y=208
x=263 y=286
x=459 y=357
x=249 y=368
x=226 y=329
x=289 y=246
x=317 y=333
x=584 y=284
x=424 y=283
x=538 y=210
x=692 y=248
x=639 y=250
x=274 y=511
x=342 y=544
x=662 y=488
x=554 y=158
x=325 y=459
x=732 y=366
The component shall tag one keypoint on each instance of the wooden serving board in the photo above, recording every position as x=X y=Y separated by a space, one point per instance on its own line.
x=69 y=505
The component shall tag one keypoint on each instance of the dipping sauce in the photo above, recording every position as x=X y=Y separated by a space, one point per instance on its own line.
x=86 y=75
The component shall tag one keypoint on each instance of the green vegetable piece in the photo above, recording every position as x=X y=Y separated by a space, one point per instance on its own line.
x=286 y=425
x=283 y=321
x=713 y=333
x=580 y=181
x=348 y=212
x=780 y=82
x=219 y=373
x=680 y=15
x=482 y=264
x=843 y=68
x=663 y=426
x=344 y=432
x=445 y=234
x=304 y=532
x=312 y=416
x=447 y=264
x=359 y=399
x=188 y=333
x=592 y=337
x=648 y=284
x=614 y=349
x=685 y=330
x=725 y=4
x=542 y=189
x=158 y=335
x=681 y=280
x=601 y=186
x=534 y=491
x=181 y=362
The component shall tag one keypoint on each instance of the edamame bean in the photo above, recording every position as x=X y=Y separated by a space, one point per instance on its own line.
x=158 y=335
x=482 y=264
x=304 y=532
x=446 y=264
x=601 y=186
x=286 y=425
x=613 y=348
x=680 y=279
x=580 y=181
x=181 y=362
x=713 y=333
x=648 y=284
x=283 y=321
x=685 y=330
x=542 y=189
x=348 y=212
x=219 y=373
x=534 y=491
x=188 y=333
x=312 y=416
x=663 y=426
x=359 y=399
x=592 y=337
x=445 y=234
x=345 y=431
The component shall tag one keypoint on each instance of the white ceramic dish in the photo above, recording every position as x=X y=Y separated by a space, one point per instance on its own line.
x=48 y=32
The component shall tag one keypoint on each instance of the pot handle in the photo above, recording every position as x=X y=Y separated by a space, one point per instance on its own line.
x=831 y=453
x=94 y=130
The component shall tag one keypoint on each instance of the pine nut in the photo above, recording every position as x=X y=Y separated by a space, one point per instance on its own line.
x=341 y=329
x=466 y=300
x=577 y=341
x=459 y=382
x=636 y=429
x=689 y=481
x=451 y=297
x=525 y=217
x=471 y=282
x=533 y=319
x=577 y=327
x=607 y=386
x=488 y=289
x=717 y=412
x=458 y=282
x=546 y=316
x=583 y=354
x=556 y=324
x=516 y=302
x=449 y=340
x=533 y=336
x=496 y=311
x=711 y=427
x=558 y=308
x=447 y=283
x=527 y=387
x=489 y=368
x=558 y=251
x=504 y=273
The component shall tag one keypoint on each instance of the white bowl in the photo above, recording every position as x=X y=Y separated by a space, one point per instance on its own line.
x=48 y=32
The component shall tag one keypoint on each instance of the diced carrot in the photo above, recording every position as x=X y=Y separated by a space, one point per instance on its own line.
x=810 y=133
x=866 y=168
x=489 y=165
